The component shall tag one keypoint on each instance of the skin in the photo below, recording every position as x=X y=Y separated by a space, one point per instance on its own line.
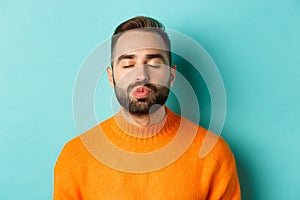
x=139 y=56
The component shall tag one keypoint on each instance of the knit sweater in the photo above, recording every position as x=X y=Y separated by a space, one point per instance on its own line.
x=86 y=169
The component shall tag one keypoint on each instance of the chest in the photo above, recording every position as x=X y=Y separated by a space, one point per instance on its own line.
x=173 y=182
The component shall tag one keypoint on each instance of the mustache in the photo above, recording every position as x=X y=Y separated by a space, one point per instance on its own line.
x=145 y=84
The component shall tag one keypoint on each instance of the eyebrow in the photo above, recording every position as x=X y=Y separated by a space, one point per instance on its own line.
x=151 y=56
x=148 y=57
x=122 y=57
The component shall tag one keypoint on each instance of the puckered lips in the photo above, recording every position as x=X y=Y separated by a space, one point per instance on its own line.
x=141 y=92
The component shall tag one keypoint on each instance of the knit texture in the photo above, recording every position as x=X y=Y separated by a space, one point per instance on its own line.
x=81 y=172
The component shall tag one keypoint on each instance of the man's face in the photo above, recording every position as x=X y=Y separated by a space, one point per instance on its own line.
x=141 y=73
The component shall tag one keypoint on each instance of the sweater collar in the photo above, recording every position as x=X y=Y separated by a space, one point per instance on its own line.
x=166 y=126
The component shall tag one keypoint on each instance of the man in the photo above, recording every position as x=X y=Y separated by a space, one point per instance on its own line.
x=113 y=160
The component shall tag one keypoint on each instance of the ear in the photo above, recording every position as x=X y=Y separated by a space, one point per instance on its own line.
x=173 y=75
x=110 y=76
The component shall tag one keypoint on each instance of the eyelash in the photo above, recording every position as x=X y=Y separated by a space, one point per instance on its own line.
x=156 y=66
x=127 y=66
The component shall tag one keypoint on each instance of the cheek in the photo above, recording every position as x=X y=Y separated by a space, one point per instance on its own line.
x=123 y=80
x=161 y=77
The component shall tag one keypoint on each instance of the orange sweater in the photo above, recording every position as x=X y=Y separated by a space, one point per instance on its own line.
x=81 y=172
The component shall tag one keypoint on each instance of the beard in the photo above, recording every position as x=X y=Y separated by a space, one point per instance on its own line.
x=141 y=106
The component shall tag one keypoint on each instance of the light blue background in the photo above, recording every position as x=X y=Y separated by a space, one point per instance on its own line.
x=254 y=43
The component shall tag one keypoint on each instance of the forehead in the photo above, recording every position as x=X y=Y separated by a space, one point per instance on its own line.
x=136 y=40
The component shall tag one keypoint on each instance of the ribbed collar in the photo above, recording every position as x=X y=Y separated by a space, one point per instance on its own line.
x=159 y=133
x=145 y=131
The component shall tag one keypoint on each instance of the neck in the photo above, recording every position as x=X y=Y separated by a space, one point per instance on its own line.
x=144 y=119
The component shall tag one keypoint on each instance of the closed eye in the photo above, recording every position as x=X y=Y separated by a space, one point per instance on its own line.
x=154 y=65
x=128 y=66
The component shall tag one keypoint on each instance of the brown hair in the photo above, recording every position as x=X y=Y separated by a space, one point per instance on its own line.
x=149 y=24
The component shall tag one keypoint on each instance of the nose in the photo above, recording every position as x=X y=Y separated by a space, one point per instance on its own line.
x=142 y=73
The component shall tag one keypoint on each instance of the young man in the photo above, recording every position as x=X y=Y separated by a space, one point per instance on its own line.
x=113 y=160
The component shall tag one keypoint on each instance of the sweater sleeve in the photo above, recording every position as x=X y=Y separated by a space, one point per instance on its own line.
x=232 y=187
x=66 y=185
x=225 y=183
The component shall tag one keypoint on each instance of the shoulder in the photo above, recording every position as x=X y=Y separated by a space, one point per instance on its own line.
x=208 y=144
x=70 y=151
x=214 y=145
x=215 y=151
x=74 y=150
